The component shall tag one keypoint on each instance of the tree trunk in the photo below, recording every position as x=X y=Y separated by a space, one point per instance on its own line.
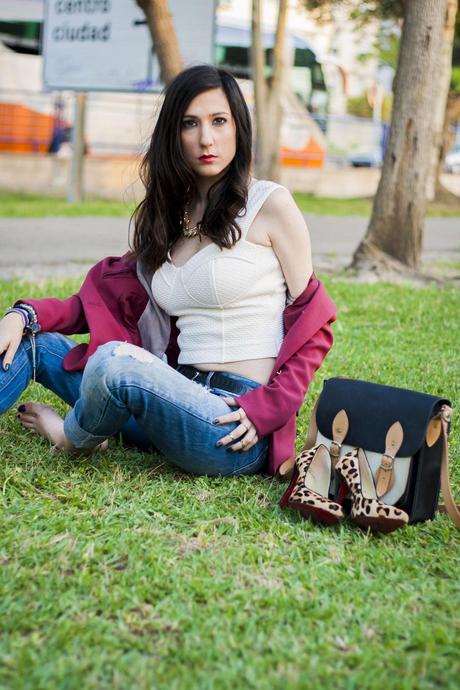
x=260 y=88
x=267 y=95
x=164 y=37
x=440 y=104
x=396 y=224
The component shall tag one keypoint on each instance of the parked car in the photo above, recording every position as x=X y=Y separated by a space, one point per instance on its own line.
x=453 y=160
x=366 y=159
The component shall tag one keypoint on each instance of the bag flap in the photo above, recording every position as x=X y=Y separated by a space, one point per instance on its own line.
x=372 y=408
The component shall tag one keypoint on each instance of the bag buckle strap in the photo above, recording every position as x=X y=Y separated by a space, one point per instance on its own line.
x=446 y=416
x=340 y=426
x=446 y=413
x=334 y=450
x=384 y=478
x=438 y=423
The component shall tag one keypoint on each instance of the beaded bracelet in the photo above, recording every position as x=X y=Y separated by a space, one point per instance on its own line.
x=31 y=328
x=32 y=314
x=29 y=315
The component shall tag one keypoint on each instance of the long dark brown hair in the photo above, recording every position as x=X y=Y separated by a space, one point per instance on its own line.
x=169 y=181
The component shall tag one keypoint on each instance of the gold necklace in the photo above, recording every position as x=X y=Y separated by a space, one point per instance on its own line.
x=187 y=231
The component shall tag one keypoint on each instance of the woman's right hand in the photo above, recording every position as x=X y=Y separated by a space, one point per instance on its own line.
x=11 y=330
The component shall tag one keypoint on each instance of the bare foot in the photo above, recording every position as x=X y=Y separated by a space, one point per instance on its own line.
x=46 y=422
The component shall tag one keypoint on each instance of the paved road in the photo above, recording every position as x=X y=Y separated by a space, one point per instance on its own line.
x=40 y=248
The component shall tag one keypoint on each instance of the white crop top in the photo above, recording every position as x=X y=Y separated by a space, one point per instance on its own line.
x=229 y=302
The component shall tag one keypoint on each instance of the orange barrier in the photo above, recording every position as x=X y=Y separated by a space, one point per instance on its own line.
x=311 y=156
x=23 y=130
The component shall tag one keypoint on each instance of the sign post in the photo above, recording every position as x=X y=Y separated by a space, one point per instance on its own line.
x=75 y=192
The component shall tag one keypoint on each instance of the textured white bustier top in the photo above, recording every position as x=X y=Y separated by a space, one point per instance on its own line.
x=229 y=302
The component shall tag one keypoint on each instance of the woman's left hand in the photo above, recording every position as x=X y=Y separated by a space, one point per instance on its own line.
x=245 y=434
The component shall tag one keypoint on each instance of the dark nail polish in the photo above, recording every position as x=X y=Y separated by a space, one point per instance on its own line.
x=6 y=367
x=215 y=421
x=21 y=408
x=218 y=444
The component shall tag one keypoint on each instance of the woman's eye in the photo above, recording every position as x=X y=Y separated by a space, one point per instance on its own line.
x=187 y=124
x=220 y=120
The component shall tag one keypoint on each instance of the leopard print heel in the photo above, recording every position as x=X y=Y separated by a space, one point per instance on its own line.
x=366 y=509
x=309 y=487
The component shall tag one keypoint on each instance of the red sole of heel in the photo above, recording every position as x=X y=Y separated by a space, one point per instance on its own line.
x=378 y=525
x=316 y=514
x=343 y=491
x=289 y=490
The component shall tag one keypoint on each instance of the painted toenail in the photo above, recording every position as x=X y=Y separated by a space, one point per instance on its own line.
x=21 y=408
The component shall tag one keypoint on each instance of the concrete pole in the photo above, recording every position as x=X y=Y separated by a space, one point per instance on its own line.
x=75 y=192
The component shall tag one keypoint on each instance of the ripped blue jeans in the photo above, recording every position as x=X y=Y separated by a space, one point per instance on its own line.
x=148 y=403
x=176 y=413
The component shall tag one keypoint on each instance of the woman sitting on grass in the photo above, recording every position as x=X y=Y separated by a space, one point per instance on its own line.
x=203 y=339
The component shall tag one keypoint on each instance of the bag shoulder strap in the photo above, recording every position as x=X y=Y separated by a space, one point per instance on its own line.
x=450 y=506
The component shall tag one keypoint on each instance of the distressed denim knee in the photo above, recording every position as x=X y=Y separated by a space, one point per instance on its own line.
x=107 y=357
x=118 y=363
x=103 y=352
x=111 y=386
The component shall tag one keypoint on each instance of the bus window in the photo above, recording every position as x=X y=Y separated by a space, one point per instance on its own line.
x=305 y=73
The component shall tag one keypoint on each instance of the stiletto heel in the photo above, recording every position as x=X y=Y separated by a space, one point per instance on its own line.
x=366 y=509
x=309 y=487
x=343 y=491
x=290 y=488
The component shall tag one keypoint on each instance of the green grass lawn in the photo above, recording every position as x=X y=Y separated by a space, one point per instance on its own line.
x=119 y=572
x=17 y=204
x=20 y=205
x=326 y=206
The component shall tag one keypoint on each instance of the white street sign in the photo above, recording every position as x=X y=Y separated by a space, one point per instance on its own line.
x=97 y=45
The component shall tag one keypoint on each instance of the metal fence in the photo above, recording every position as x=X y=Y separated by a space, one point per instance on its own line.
x=116 y=124
x=120 y=125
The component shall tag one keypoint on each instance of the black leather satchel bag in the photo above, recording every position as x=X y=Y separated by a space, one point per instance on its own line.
x=403 y=434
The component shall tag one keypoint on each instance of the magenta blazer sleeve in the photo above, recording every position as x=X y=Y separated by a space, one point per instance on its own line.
x=271 y=406
x=62 y=315
x=110 y=294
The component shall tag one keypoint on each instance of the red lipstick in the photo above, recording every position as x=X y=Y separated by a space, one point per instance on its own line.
x=207 y=158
